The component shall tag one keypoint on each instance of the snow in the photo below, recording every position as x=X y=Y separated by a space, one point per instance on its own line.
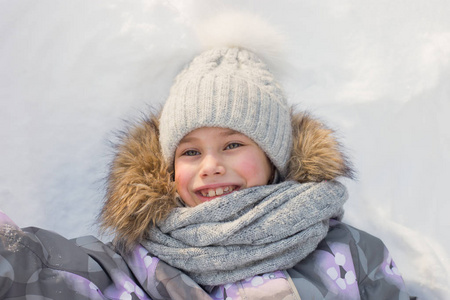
x=377 y=72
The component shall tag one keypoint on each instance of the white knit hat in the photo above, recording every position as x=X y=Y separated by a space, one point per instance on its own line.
x=230 y=88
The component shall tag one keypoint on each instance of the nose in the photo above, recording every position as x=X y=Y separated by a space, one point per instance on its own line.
x=212 y=165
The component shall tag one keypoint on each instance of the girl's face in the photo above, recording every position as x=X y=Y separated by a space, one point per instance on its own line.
x=211 y=161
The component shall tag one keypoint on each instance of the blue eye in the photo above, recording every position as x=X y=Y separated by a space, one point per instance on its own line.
x=191 y=153
x=232 y=146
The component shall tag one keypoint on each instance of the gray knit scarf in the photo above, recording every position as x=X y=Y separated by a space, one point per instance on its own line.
x=253 y=231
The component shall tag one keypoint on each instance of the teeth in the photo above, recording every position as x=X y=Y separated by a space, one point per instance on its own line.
x=219 y=191
x=216 y=192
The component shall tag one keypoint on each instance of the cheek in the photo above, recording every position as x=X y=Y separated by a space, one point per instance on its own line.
x=182 y=183
x=249 y=168
x=182 y=176
x=179 y=182
x=255 y=168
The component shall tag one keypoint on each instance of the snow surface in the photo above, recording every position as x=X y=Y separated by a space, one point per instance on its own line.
x=72 y=72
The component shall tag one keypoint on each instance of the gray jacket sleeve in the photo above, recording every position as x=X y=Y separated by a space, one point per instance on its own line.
x=43 y=264
x=379 y=277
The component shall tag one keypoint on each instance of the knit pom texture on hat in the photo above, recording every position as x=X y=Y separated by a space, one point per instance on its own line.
x=228 y=88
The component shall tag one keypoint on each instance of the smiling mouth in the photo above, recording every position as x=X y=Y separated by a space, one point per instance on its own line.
x=217 y=191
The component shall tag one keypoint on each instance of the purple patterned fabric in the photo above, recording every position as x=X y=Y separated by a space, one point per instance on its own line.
x=273 y=285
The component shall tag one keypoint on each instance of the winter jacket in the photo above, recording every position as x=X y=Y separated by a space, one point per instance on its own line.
x=348 y=263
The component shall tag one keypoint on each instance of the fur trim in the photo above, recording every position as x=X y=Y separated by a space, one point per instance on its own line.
x=316 y=154
x=141 y=192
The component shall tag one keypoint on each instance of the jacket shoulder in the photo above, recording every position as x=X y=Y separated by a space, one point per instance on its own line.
x=349 y=264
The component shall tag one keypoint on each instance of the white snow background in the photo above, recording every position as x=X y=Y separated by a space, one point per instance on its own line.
x=378 y=72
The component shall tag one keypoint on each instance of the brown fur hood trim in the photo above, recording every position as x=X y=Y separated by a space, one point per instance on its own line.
x=140 y=191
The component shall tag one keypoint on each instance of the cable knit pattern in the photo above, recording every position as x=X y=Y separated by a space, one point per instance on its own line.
x=229 y=88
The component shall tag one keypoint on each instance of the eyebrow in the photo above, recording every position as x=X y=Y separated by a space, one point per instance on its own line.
x=225 y=133
x=229 y=132
x=186 y=140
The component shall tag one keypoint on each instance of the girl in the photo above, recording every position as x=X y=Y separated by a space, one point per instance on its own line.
x=262 y=211
x=227 y=194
